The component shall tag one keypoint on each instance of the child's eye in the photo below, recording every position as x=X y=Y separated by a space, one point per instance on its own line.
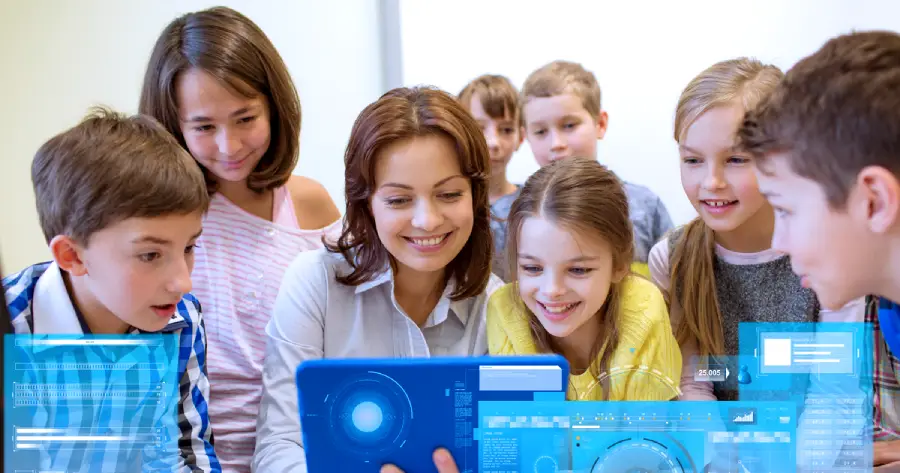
x=580 y=271
x=508 y=131
x=149 y=257
x=691 y=160
x=780 y=212
x=247 y=119
x=569 y=126
x=538 y=132
x=451 y=196
x=738 y=160
x=203 y=128
x=530 y=268
x=190 y=249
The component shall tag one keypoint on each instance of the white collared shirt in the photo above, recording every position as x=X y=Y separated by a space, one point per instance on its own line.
x=53 y=312
x=315 y=316
x=40 y=306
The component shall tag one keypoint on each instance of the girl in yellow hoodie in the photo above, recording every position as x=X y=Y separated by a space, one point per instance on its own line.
x=569 y=246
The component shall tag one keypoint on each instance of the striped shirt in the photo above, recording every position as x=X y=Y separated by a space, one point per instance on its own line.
x=886 y=389
x=138 y=400
x=239 y=262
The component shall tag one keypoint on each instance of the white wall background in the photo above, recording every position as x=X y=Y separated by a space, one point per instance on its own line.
x=60 y=57
x=643 y=54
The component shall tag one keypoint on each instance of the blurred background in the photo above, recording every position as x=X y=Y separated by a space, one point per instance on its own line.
x=60 y=57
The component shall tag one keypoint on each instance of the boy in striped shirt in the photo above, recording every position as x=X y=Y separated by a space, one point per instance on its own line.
x=110 y=319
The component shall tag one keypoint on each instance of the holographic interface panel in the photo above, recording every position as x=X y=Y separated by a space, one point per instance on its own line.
x=359 y=414
x=636 y=437
x=84 y=402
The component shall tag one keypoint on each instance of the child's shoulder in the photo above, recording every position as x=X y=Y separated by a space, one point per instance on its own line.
x=18 y=288
x=502 y=301
x=666 y=244
x=312 y=202
x=494 y=284
x=639 y=192
x=642 y=301
x=509 y=326
x=191 y=309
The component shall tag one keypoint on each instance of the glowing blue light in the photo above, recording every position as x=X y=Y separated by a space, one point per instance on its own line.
x=367 y=416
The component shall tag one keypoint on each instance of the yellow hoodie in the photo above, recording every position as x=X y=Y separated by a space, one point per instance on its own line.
x=646 y=364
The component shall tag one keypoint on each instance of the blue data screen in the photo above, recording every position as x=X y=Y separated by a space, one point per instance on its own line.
x=91 y=403
x=628 y=436
x=355 y=417
x=827 y=370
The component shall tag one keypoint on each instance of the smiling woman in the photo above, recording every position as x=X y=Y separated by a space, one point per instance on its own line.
x=409 y=275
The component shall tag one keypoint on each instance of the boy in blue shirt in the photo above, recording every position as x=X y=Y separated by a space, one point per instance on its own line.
x=120 y=204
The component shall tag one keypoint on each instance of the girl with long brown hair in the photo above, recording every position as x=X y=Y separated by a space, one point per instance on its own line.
x=217 y=83
x=570 y=247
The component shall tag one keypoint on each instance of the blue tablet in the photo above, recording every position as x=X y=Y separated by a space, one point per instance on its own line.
x=358 y=414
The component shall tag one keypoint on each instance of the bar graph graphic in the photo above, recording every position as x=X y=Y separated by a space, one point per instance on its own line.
x=744 y=416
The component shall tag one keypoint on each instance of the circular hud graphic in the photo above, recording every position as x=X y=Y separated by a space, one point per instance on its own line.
x=370 y=415
x=643 y=455
x=660 y=386
x=545 y=464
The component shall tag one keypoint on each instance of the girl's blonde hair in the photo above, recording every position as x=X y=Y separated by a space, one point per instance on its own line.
x=743 y=81
x=581 y=195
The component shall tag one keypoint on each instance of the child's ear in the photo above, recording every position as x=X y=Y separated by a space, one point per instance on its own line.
x=879 y=190
x=68 y=255
x=602 y=124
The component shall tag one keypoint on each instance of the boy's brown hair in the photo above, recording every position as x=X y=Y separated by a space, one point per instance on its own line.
x=399 y=115
x=232 y=48
x=564 y=77
x=498 y=96
x=836 y=112
x=112 y=167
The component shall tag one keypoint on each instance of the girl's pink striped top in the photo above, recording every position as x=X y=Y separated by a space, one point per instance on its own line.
x=239 y=263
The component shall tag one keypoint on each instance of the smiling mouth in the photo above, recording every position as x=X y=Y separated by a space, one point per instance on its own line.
x=559 y=308
x=558 y=311
x=428 y=242
x=718 y=203
x=236 y=163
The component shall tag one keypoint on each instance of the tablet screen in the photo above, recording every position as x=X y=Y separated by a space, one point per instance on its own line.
x=358 y=415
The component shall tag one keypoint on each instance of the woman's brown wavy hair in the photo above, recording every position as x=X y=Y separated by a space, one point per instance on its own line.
x=403 y=114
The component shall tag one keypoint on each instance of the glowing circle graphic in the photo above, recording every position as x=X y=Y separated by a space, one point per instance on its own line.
x=662 y=387
x=545 y=464
x=370 y=415
x=367 y=416
x=644 y=455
